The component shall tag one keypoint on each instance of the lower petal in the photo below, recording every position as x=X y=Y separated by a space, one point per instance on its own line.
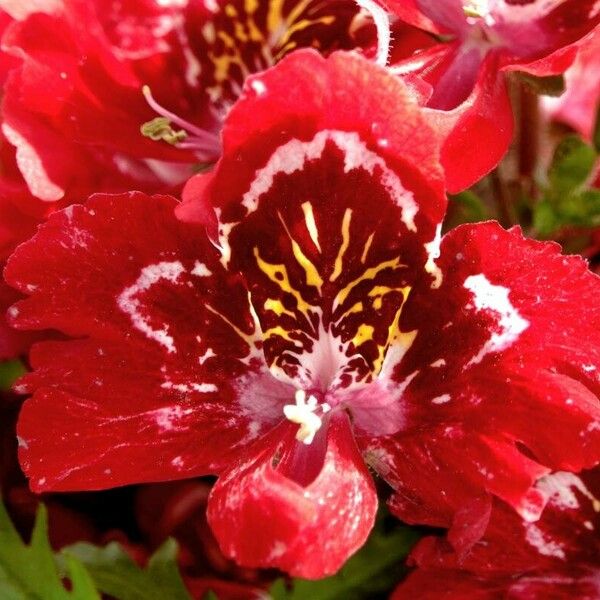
x=265 y=512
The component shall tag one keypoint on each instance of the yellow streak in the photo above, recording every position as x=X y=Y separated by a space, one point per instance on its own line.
x=278 y=308
x=364 y=334
x=311 y=224
x=363 y=258
x=272 y=271
x=345 y=243
x=370 y=273
x=280 y=332
x=354 y=309
x=249 y=339
x=394 y=333
x=312 y=275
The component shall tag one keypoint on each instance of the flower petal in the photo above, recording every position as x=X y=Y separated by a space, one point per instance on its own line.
x=263 y=517
x=502 y=359
x=152 y=305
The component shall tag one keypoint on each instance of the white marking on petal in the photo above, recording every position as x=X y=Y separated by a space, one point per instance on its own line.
x=438 y=363
x=441 y=399
x=201 y=270
x=433 y=253
x=168 y=417
x=129 y=304
x=487 y=296
x=560 y=488
x=186 y=388
x=259 y=87
x=293 y=155
x=542 y=543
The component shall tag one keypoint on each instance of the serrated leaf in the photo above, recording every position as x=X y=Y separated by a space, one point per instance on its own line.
x=373 y=570
x=29 y=572
x=115 y=573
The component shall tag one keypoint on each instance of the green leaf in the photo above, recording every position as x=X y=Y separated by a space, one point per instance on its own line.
x=30 y=572
x=466 y=207
x=373 y=570
x=10 y=371
x=115 y=573
x=571 y=166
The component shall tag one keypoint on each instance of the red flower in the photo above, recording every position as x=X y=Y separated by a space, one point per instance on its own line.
x=72 y=74
x=322 y=324
x=578 y=106
x=485 y=40
x=74 y=107
x=558 y=556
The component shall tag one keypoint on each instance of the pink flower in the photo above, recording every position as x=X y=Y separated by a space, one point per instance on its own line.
x=557 y=556
x=482 y=40
x=321 y=324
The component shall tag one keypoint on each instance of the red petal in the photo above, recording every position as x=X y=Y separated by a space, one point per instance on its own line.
x=504 y=328
x=154 y=305
x=262 y=517
x=484 y=121
x=577 y=107
x=325 y=267
x=438 y=472
x=503 y=360
x=555 y=557
x=320 y=95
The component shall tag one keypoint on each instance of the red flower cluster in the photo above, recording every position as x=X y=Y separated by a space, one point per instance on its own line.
x=298 y=319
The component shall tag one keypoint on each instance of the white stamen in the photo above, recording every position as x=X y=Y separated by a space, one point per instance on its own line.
x=303 y=413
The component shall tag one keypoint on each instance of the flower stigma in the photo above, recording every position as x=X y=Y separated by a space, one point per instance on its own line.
x=303 y=412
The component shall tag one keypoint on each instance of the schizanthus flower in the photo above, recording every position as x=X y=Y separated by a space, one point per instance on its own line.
x=321 y=324
x=481 y=41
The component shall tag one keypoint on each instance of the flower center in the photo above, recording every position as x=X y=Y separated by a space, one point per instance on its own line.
x=305 y=412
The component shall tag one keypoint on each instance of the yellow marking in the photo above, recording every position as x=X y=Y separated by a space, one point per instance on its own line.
x=312 y=275
x=354 y=309
x=394 y=334
x=311 y=224
x=301 y=25
x=282 y=333
x=363 y=258
x=283 y=281
x=345 y=243
x=275 y=15
x=251 y=6
x=364 y=334
x=278 y=308
x=379 y=291
x=230 y=11
x=249 y=339
x=370 y=273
